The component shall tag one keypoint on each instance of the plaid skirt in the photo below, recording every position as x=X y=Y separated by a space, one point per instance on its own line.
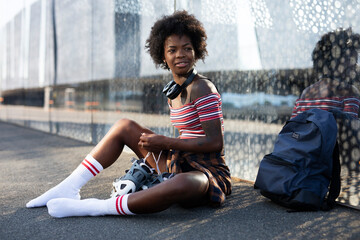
x=211 y=164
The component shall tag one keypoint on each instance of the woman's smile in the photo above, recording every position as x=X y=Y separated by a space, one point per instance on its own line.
x=181 y=64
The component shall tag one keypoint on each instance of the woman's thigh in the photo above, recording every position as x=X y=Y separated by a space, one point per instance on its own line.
x=188 y=187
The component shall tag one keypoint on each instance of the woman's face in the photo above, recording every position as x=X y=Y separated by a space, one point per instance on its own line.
x=179 y=54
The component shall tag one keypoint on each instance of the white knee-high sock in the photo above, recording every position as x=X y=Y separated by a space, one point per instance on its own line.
x=70 y=186
x=65 y=207
x=121 y=205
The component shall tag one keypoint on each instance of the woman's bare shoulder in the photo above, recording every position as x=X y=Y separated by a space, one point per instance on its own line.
x=202 y=86
x=311 y=91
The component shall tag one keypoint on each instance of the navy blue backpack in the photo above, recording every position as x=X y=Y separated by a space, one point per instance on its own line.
x=303 y=171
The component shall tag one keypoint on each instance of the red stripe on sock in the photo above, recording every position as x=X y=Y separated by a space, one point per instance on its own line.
x=121 y=207
x=117 y=206
x=88 y=168
x=96 y=170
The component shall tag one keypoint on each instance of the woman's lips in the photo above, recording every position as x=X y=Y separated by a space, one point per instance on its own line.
x=181 y=64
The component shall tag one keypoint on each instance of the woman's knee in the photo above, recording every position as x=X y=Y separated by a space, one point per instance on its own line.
x=188 y=185
x=124 y=123
x=124 y=126
x=129 y=126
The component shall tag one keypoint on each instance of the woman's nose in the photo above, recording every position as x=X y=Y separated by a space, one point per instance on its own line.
x=180 y=53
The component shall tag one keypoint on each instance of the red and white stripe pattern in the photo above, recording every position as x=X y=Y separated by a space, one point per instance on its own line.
x=188 y=118
x=122 y=206
x=92 y=165
x=349 y=105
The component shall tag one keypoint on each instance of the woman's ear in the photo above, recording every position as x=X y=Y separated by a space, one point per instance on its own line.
x=167 y=67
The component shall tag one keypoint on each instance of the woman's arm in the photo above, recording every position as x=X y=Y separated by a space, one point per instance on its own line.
x=212 y=142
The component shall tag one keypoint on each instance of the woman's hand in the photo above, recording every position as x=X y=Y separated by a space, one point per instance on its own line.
x=152 y=142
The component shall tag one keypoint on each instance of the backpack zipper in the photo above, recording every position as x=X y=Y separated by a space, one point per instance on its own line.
x=279 y=161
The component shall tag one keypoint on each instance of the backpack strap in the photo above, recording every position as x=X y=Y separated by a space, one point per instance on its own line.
x=335 y=184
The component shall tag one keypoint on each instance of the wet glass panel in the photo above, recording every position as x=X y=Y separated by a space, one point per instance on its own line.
x=133 y=89
x=70 y=24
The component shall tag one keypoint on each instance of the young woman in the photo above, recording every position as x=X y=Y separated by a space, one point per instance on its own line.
x=196 y=157
x=334 y=61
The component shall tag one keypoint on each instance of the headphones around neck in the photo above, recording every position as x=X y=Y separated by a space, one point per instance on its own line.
x=172 y=89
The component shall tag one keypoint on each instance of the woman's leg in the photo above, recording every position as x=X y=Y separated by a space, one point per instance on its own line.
x=106 y=152
x=124 y=132
x=184 y=188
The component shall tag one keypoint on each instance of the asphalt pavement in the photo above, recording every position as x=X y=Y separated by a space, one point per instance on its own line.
x=32 y=161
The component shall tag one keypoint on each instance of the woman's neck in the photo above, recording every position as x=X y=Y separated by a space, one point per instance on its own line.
x=181 y=78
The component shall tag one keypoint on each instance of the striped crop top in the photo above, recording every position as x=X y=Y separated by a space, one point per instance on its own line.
x=349 y=105
x=188 y=118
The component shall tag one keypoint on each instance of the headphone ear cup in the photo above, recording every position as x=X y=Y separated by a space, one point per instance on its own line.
x=168 y=86
x=174 y=91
